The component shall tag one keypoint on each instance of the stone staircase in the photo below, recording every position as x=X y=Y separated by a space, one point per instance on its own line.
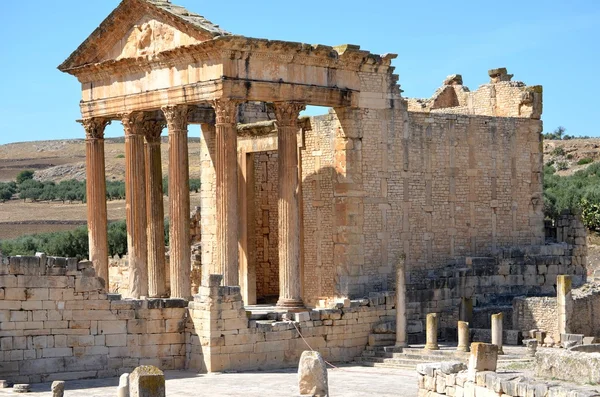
x=410 y=357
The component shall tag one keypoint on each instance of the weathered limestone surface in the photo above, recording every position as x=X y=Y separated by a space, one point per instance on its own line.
x=147 y=381
x=463 y=336
x=135 y=192
x=179 y=201
x=290 y=277
x=564 y=300
x=155 y=212
x=432 y=332
x=312 y=375
x=96 y=194
x=123 y=389
x=58 y=388
x=497 y=332
x=484 y=357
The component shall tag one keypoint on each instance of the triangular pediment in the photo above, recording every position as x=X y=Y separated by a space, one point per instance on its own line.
x=139 y=28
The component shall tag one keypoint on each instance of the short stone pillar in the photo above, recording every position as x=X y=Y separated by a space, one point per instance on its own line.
x=312 y=375
x=401 y=305
x=463 y=336
x=123 y=390
x=531 y=345
x=497 y=331
x=564 y=302
x=431 y=332
x=147 y=381
x=484 y=357
x=58 y=388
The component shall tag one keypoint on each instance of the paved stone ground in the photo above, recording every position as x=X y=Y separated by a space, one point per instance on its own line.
x=348 y=381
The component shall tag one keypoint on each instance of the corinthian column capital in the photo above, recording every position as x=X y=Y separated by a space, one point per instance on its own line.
x=176 y=116
x=153 y=129
x=132 y=123
x=94 y=127
x=287 y=113
x=226 y=110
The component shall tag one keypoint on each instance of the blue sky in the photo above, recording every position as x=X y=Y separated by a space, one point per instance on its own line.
x=553 y=43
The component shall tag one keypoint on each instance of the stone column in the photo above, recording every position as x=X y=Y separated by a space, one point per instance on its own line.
x=463 y=336
x=290 y=278
x=155 y=210
x=135 y=192
x=401 y=305
x=497 y=331
x=564 y=301
x=96 y=195
x=432 y=331
x=179 y=202
x=227 y=191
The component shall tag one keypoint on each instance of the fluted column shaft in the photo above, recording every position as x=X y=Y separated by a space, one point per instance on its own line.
x=96 y=195
x=155 y=211
x=179 y=201
x=227 y=191
x=290 y=283
x=135 y=193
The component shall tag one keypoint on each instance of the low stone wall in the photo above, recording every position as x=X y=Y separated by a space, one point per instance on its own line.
x=57 y=322
x=222 y=337
x=443 y=381
x=535 y=313
x=573 y=366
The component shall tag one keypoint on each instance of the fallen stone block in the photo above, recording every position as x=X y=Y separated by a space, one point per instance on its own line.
x=147 y=381
x=484 y=357
x=58 y=388
x=21 y=388
x=312 y=375
x=123 y=389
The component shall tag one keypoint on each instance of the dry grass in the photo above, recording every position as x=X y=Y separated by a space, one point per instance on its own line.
x=18 y=218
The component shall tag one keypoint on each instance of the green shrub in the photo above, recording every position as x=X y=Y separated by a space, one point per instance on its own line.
x=585 y=161
x=120 y=156
x=570 y=156
x=24 y=176
x=558 y=151
x=561 y=165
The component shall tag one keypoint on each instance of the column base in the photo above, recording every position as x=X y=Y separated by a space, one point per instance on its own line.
x=432 y=347
x=288 y=304
x=401 y=344
x=463 y=349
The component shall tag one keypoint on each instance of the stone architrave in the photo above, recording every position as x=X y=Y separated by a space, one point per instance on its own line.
x=147 y=381
x=312 y=375
x=58 y=388
x=226 y=168
x=484 y=357
x=179 y=201
x=431 y=332
x=96 y=194
x=135 y=192
x=155 y=210
x=290 y=277
x=497 y=331
x=401 y=305
x=564 y=302
x=463 y=336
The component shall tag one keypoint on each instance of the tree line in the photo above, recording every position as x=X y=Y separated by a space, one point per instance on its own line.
x=72 y=243
x=27 y=188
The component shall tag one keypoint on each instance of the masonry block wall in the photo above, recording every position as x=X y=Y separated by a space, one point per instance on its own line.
x=57 y=322
x=222 y=336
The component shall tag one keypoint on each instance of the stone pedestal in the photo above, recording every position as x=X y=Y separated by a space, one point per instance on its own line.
x=58 y=388
x=497 y=331
x=463 y=336
x=401 y=305
x=147 y=381
x=123 y=389
x=155 y=211
x=432 y=332
x=96 y=195
x=135 y=192
x=227 y=191
x=532 y=345
x=290 y=282
x=484 y=357
x=179 y=202
x=564 y=302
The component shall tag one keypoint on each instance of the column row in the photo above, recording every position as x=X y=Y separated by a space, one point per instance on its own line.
x=144 y=207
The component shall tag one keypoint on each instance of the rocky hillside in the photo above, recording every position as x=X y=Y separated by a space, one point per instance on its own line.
x=568 y=156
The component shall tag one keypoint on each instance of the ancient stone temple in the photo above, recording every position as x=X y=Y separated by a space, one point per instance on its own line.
x=318 y=216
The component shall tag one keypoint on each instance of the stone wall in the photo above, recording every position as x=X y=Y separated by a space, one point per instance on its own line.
x=223 y=337
x=57 y=322
x=267 y=227
x=438 y=380
x=535 y=313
